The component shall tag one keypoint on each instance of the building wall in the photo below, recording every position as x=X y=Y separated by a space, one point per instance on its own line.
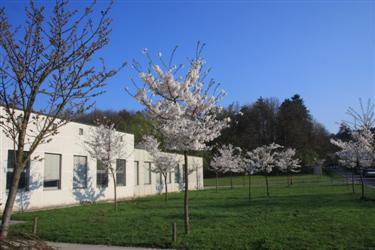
x=68 y=143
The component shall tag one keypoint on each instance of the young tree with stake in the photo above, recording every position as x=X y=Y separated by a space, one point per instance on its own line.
x=224 y=161
x=264 y=159
x=164 y=163
x=106 y=145
x=184 y=108
x=46 y=78
x=247 y=166
x=286 y=163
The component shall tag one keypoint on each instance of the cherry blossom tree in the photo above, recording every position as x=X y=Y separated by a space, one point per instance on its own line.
x=184 y=107
x=106 y=145
x=163 y=163
x=264 y=159
x=248 y=167
x=288 y=164
x=226 y=160
x=47 y=77
x=358 y=152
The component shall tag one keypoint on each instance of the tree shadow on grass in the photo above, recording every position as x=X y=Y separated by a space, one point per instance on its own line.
x=305 y=201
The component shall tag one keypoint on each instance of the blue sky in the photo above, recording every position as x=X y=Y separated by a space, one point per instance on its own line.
x=322 y=50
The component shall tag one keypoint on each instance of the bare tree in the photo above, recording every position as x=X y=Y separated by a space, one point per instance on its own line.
x=106 y=145
x=46 y=77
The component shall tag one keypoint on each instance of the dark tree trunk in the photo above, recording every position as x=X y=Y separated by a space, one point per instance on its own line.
x=268 y=193
x=353 y=191
x=186 y=195
x=249 y=187
x=166 y=187
x=217 y=181
x=7 y=213
x=291 y=179
x=362 y=187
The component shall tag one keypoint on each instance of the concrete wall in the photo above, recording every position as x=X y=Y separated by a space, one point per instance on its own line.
x=68 y=142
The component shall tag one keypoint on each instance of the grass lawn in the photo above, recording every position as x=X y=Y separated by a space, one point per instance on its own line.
x=315 y=213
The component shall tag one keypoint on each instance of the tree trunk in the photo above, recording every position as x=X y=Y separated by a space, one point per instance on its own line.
x=288 y=177
x=268 y=193
x=186 y=195
x=166 y=187
x=362 y=187
x=353 y=191
x=291 y=179
x=7 y=213
x=114 y=189
x=217 y=181
x=249 y=187
x=231 y=181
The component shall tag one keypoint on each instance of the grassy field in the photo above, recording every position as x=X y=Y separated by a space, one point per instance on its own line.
x=315 y=213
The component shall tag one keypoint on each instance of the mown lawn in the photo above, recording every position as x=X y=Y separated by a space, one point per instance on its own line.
x=315 y=213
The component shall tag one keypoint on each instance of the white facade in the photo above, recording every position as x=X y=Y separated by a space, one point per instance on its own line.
x=68 y=146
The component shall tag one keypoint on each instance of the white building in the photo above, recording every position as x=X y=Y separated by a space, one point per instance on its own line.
x=67 y=175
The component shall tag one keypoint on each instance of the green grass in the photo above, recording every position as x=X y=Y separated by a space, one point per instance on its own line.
x=315 y=213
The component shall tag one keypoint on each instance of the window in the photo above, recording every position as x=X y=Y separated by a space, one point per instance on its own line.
x=80 y=131
x=120 y=172
x=136 y=166
x=147 y=173
x=52 y=171
x=177 y=174
x=24 y=179
x=170 y=177
x=80 y=171
x=101 y=175
x=159 y=179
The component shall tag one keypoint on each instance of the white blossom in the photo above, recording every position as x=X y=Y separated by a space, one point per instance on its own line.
x=184 y=110
x=264 y=158
x=226 y=160
x=286 y=161
x=357 y=151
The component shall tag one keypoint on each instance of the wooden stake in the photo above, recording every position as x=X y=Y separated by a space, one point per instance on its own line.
x=174 y=233
x=35 y=225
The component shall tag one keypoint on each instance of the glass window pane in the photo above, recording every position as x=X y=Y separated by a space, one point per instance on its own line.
x=177 y=174
x=120 y=172
x=101 y=175
x=136 y=166
x=52 y=167
x=80 y=171
x=147 y=173
x=24 y=179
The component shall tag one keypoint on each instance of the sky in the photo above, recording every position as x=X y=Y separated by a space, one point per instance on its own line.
x=321 y=50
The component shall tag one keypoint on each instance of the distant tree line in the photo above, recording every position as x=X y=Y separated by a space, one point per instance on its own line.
x=267 y=120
